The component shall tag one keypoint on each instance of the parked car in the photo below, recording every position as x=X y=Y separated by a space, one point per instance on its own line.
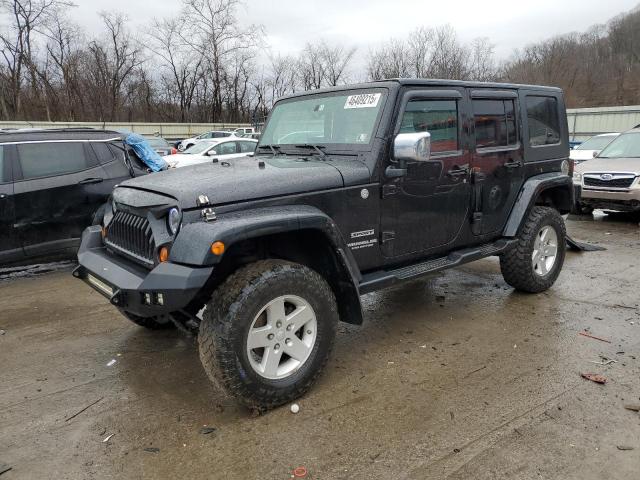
x=611 y=180
x=244 y=131
x=52 y=185
x=211 y=150
x=391 y=182
x=161 y=146
x=590 y=148
x=188 y=142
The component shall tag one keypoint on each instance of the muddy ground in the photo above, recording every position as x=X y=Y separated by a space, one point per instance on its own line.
x=455 y=377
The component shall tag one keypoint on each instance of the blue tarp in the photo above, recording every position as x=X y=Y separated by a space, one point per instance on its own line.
x=147 y=154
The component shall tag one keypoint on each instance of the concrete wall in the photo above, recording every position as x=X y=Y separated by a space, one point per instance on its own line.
x=586 y=122
x=166 y=130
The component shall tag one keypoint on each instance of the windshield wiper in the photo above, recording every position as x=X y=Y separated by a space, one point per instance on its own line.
x=275 y=149
x=314 y=147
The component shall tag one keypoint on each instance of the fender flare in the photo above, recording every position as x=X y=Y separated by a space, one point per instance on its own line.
x=193 y=244
x=530 y=192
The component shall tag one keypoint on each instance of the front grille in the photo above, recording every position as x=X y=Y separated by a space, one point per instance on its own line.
x=131 y=235
x=615 y=182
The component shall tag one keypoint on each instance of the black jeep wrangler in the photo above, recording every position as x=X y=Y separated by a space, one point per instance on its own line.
x=351 y=190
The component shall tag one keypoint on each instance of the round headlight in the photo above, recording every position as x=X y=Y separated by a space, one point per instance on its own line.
x=114 y=208
x=173 y=220
x=577 y=176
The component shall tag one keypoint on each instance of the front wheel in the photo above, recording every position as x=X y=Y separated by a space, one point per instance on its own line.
x=534 y=263
x=267 y=332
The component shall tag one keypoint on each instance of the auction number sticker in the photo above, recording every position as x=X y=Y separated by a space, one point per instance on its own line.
x=363 y=100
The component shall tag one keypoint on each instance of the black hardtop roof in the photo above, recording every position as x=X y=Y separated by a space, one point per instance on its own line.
x=425 y=82
x=44 y=134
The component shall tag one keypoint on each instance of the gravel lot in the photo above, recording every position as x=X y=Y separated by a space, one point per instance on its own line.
x=455 y=377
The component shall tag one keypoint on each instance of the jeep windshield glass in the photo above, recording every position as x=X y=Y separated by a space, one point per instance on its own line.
x=345 y=118
x=626 y=145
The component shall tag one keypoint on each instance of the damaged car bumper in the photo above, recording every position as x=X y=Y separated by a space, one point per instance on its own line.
x=166 y=288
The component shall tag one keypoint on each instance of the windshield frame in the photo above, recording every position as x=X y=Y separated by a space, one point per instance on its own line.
x=332 y=147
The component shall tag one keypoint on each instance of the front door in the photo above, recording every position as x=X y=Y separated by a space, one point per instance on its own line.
x=424 y=211
x=10 y=248
x=497 y=166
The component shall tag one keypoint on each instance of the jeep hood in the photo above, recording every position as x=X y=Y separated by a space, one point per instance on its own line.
x=610 y=165
x=243 y=179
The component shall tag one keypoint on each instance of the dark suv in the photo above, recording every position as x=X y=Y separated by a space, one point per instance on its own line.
x=351 y=190
x=52 y=184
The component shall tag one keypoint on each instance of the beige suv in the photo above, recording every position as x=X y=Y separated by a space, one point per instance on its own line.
x=611 y=180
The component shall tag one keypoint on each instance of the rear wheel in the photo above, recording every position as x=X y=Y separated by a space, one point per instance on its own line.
x=534 y=263
x=267 y=332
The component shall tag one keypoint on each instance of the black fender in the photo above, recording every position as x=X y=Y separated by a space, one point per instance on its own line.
x=559 y=192
x=193 y=245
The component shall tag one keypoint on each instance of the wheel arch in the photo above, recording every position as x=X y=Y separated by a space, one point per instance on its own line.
x=300 y=234
x=550 y=190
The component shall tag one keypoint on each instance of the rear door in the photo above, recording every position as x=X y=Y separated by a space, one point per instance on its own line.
x=498 y=168
x=59 y=186
x=10 y=248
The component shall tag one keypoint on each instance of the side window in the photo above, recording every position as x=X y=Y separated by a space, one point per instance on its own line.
x=226 y=148
x=542 y=117
x=495 y=123
x=438 y=117
x=247 y=147
x=50 y=159
x=102 y=151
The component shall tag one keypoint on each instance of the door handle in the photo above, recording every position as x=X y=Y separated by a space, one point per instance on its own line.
x=89 y=181
x=458 y=171
x=513 y=164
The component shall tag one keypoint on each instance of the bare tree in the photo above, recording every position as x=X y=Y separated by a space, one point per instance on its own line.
x=336 y=59
x=114 y=62
x=182 y=66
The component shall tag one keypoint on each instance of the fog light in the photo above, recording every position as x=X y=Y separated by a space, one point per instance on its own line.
x=217 y=248
x=159 y=299
x=163 y=254
x=147 y=298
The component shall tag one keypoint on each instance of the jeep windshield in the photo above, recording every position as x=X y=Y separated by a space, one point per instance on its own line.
x=626 y=145
x=337 y=118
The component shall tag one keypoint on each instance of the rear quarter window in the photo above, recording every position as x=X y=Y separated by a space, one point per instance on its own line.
x=543 y=120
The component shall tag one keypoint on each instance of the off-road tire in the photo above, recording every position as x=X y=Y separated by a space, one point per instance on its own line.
x=149 y=322
x=228 y=318
x=516 y=263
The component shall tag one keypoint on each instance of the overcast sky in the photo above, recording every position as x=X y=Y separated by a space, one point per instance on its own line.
x=362 y=23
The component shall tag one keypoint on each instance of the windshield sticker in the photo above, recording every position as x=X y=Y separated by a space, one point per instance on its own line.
x=364 y=100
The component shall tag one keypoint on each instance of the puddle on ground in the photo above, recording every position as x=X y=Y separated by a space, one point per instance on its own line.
x=26 y=271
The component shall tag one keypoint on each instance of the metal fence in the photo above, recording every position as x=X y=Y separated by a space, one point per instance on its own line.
x=583 y=123
x=586 y=122
x=167 y=130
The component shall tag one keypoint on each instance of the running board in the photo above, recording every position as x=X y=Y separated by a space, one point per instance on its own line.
x=385 y=278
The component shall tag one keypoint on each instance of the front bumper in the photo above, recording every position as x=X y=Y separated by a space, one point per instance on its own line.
x=623 y=200
x=170 y=286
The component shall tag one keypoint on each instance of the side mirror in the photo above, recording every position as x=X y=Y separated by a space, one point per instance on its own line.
x=412 y=147
x=596 y=153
